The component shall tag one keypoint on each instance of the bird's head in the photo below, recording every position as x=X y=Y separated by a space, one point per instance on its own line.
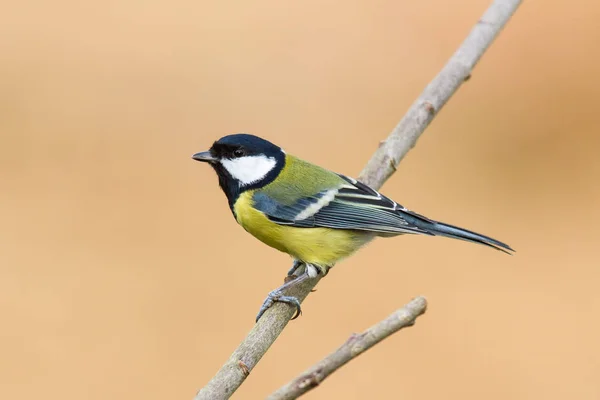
x=243 y=162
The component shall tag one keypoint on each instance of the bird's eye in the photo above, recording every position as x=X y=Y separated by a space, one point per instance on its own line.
x=238 y=153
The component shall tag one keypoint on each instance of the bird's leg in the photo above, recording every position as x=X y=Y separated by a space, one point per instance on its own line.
x=295 y=270
x=278 y=296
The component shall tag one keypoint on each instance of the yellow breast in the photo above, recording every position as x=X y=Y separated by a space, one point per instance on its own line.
x=318 y=246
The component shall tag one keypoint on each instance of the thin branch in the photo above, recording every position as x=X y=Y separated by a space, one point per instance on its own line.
x=456 y=71
x=381 y=166
x=243 y=360
x=354 y=346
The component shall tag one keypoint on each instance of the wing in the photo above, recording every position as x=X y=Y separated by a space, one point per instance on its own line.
x=348 y=205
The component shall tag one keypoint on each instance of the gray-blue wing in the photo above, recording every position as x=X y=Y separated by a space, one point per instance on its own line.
x=350 y=206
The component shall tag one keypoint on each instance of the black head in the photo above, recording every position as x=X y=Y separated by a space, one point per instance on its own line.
x=243 y=162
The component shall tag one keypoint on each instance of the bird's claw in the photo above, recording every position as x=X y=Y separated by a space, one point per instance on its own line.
x=277 y=296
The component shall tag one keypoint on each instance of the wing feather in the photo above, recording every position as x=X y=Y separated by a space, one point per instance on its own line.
x=352 y=205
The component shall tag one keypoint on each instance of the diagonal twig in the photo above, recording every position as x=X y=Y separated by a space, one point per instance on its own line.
x=354 y=346
x=456 y=71
x=379 y=168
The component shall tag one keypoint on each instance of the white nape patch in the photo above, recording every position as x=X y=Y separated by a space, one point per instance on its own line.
x=311 y=271
x=250 y=169
x=315 y=207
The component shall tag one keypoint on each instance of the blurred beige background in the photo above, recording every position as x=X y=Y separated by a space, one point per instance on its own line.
x=123 y=274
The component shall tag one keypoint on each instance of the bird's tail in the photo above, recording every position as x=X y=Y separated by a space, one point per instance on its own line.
x=451 y=231
x=441 y=229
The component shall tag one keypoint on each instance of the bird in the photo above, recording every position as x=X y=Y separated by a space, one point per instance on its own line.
x=317 y=216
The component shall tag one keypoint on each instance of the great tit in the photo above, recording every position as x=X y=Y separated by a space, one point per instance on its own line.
x=315 y=215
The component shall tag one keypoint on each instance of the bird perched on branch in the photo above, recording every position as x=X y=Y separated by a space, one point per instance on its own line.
x=315 y=215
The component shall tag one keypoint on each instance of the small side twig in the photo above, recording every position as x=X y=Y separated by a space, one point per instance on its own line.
x=354 y=346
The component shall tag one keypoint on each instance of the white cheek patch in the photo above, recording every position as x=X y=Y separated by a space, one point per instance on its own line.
x=250 y=169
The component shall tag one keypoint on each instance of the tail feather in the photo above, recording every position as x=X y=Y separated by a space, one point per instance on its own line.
x=454 y=232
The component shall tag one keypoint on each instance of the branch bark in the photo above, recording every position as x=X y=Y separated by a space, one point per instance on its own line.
x=456 y=71
x=379 y=168
x=354 y=346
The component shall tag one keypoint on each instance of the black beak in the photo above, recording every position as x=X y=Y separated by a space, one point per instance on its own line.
x=204 y=156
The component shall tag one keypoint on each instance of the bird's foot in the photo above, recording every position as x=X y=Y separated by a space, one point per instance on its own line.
x=278 y=296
